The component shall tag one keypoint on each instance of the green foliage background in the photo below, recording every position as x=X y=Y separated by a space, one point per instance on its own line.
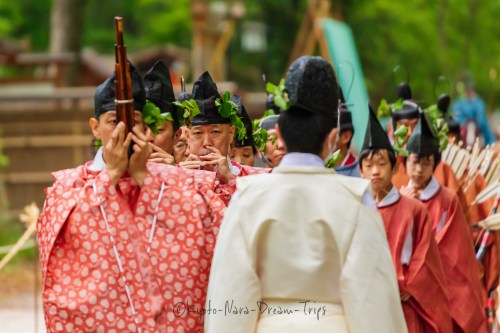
x=429 y=37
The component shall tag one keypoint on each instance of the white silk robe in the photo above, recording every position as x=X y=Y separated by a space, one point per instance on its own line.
x=299 y=252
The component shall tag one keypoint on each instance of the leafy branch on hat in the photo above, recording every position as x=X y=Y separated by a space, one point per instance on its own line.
x=229 y=109
x=280 y=96
x=153 y=117
x=385 y=109
x=336 y=156
x=400 y=136
x=188 y=109
x=260 y=137
x=438 y=125
x=268 y=112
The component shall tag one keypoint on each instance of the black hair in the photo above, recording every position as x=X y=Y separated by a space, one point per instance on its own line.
x=175 y=126
x=437 y=158
x=304 y=131
x=352 y=136
x=367 y=153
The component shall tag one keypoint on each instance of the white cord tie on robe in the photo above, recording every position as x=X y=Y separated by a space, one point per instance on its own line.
x=152 y=232
x=118 y=260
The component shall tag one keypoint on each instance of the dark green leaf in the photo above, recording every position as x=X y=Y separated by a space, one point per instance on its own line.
x=226 y=96
x=398 y=105
x=268 y=112
x=336 y=156
x=271 y=88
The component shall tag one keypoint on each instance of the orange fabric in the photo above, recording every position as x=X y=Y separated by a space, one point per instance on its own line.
x=446 y=177
x=443 y=174
x=490 y=261
x=428 y=309
x=466 y=293
x=401 y=178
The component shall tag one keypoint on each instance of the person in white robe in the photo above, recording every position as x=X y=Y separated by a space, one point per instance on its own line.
x=298 y=250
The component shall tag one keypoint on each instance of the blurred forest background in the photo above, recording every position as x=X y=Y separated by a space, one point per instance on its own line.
x=429 y=37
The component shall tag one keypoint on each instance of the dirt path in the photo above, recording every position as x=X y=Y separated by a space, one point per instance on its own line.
x=17 y=301
x=17 y=314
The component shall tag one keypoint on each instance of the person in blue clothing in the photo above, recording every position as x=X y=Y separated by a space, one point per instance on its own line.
x=470 y=112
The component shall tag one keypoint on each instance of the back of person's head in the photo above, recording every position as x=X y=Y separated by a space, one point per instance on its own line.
x=312 y=88
x=304 y=132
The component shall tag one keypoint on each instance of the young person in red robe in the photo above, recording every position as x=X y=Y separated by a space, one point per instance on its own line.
x=408 y=116
x=414 y=251
x=122 y=241
x=451 y=230
x=489 y=260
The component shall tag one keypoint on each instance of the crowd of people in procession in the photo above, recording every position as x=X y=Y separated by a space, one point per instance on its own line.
x=185 y=234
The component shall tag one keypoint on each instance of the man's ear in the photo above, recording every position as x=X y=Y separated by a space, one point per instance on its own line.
x=94 y=126
x=345 y=137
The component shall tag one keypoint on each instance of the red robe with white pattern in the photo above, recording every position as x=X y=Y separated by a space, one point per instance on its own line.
x=452 y=233
x=226 y=190
x=93 y=236
x=420 y=273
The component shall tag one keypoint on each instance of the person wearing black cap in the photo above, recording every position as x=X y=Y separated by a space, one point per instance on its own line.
x=303 y=250
x=243 y=150
x=454 y=135
x=275 y=149
x=211 y=135
x=348 y=164
x=409 y=116
x=107 y=226
x=451 y=230
x=421 y=279
x=159 y=91
x=181 y=147
x=477 y=211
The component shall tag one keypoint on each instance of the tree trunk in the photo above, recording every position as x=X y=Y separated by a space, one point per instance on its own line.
x=66 y=31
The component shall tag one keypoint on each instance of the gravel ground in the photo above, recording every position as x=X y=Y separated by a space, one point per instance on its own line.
x=17 y=314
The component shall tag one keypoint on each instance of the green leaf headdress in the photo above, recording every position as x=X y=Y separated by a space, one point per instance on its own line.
x=280 y=96
x=437 y=124
x=228 y=109
x=260 y=130
x=187 y=110
x=336 y=156
x=153 y=117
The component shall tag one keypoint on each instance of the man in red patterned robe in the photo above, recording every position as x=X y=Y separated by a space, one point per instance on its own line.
x=210 y=138
x=126 y=245
x=414 y=251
